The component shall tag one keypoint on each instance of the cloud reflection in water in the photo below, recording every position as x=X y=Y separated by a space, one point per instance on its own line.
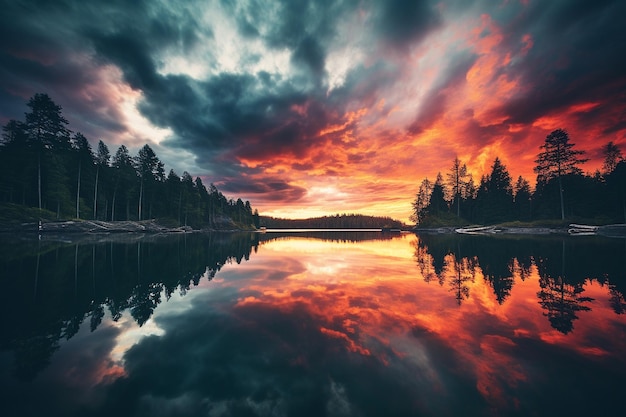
x=331 y=328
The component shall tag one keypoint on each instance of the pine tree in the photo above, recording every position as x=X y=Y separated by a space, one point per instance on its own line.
x=457 y=183
x=102 y=162
x=437 y=203
x=558 y=158
x=16 y=160
x=612 y=157
x=150 y=170
x=46 y=128
x=500 y=191
x=85 y=162
x=422 y=201
x=124 y=176
x=522 y=199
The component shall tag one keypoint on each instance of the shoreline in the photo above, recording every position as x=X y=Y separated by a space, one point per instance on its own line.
x=94 y=227
x=153 y=227
x=612 y=230
x=495 y=230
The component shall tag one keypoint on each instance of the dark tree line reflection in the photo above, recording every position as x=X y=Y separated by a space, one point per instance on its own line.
x=51 y=288
x=565 y=266
x=55 y=284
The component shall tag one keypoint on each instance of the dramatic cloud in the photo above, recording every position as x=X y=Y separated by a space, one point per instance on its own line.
x=308 y=94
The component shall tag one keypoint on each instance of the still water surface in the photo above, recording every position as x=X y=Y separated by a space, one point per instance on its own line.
x=313 y=324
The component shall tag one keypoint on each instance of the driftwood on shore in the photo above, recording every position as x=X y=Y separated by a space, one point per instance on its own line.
x=94 y=226
x=152 y=226
x=489 y=230
x=609 y=230
x=612 y=230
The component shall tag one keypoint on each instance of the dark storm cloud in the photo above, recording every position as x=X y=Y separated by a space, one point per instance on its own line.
x=310 y=53
x=403 y=22
x=575 y=56
x=48 y=47
x=309 y=28
x=276 y=189
x=222 y=112
x=305 y=28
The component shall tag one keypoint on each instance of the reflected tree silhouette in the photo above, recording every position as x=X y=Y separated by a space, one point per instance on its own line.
x=82 y=281
x=503 y=261
x=424 y=262
x=617 y=300
x=72 y=326
x=97 y=314
x=561 y=301
x=520 y=269
x=144 y=300
x=33 y=354
x=501 y=284
x=78 y=284
x=460 y=273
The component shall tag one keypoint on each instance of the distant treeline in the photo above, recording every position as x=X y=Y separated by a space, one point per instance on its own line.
x=47 y=166
x=562 y=191
x=343 y=221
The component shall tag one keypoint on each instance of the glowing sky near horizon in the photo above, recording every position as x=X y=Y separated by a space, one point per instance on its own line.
x=321 y=107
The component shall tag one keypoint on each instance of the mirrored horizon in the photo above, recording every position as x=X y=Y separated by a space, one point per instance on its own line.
x=315 y=324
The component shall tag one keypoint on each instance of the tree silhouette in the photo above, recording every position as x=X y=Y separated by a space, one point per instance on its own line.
x=457 y=182
x=46 y=127
x=150 y=170
x=102 y=162
x=438 y=202
x=17 y=161
x=43 y=166
x=85 y=161
x=522 y=199
x=558 y=158
x=421 y=202
x=494 y=199
x=612 y=157
x=123 y=178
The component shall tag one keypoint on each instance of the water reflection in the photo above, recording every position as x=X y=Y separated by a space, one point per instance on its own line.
x=314 y=325
x=57 y=285
x=565 y=266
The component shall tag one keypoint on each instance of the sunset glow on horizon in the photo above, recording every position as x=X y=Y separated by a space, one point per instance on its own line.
x=309 y=109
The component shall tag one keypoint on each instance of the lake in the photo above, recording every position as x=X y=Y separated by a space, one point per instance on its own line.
x=313 y=324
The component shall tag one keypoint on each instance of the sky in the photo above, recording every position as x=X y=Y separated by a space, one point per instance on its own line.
x=310 y=108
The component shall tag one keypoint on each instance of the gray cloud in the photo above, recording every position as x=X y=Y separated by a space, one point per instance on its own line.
x=574 y=57
x=403 y=22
